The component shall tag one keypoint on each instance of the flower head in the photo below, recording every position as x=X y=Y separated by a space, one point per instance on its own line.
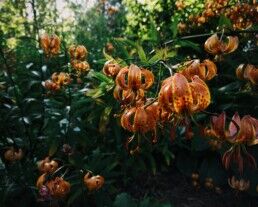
x=205 y=70
x=178 y=95
x=93 y=182
x=111 y=68
x=239 y=185
x=13 y=154
x=135 y=78
x=215 y=46
x=50 y=44
x=78 y=52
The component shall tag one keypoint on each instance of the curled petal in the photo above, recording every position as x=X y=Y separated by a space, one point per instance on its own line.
x=218 y=125
x=206 y=70
x=141 y=120
x=148 y=78
x=233 y=130
x=182 y=98
x=134 y=77
x=166 y=97
x=240 y=71
x=251 y=74
x=232 y=44
x=215 y=46
x=212 y=45
x=44 y=41
x=121 y=78
x=127 y=119
x=247 y=129
x=211 y=69
x=200 y=93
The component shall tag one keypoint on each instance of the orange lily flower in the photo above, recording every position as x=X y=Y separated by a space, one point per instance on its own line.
x=58 y=187
x=240 y=132
x=80 y=66
x=247 y=132
x=215 y=46
x=13 y=154
x=47 y=165
x=205 y=70
x=247 y=72
x=239 y=185
x=141 y=119
x=111 y=68
x=78 y=52
x=93 y=182
x=50 y=44
x=61 y=78
x=128 y=97
x=133 y=77
x=178 y=95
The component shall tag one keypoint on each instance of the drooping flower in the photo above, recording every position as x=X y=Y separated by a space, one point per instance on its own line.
x=128 y=97
x=238 y=155
x=78 y=52
x=239 y=185
x=216 y=46
x=111 y=68
x=50 y=44
x=177 y=95
x=141 y=119
x=239 y=133
x=93 y=182
x=58 y=187
x=47 y=165
x=12 y=154
x=243 y=130
x=206 y=70
x=247 y=72
x=61 y=78
x=80 y=66
x=57 y=81
x=134 y=78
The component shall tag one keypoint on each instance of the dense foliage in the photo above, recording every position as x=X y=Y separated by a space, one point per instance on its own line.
x=121 y=92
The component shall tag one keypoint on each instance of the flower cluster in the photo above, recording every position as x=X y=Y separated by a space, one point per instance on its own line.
x=78 y=54
x=53 y=187
x=239 y=133
x=242 y=15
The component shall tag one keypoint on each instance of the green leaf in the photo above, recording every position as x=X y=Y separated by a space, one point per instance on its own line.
x=224 y=21
x=141 y=54
x=173 y=27
x=187 y=43
x=107 y=56
x=155 y=58
x=104 y=119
